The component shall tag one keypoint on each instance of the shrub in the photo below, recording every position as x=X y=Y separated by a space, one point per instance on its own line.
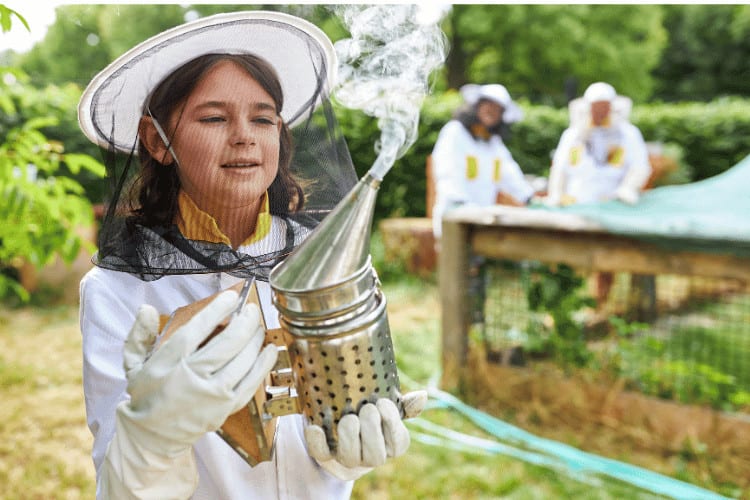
x=40 y=208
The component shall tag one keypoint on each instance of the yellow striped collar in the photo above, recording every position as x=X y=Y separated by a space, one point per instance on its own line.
x=195 y=224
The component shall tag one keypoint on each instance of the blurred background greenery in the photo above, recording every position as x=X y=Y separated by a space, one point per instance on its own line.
x=685 y=67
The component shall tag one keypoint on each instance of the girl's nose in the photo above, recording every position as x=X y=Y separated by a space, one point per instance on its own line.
x=242 y=133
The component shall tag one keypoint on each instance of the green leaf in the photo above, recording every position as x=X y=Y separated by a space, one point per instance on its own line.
x=5 y=13
x=6 y=104
x=76 y=162
x=8 y=285
x=38 y=122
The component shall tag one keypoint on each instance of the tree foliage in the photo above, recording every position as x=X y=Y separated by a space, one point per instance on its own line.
x=85 y=38
x=40 y=209
x=535 y=49
x=707 y=55
x=543 y=52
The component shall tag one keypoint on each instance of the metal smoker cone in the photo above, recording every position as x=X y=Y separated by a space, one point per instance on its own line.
x=337 y=249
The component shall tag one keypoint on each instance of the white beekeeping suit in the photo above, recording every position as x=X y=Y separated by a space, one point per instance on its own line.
x=599 y=161
x=471 y=164
x=202 y=114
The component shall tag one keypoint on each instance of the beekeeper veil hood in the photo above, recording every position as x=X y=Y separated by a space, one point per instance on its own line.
x=112 y=106
x=580 y=109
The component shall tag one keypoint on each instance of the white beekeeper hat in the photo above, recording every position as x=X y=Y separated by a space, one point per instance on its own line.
x=495 y=92
x=600 y=91
x=302 y=55
x=580 y=109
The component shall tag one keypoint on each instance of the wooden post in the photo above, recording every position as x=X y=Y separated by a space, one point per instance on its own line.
x=453 y=272
x=641 y=301
x=429 y=188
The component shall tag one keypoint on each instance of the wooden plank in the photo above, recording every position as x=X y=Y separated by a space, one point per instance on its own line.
x=453 y=272
x=507 y=216
x=602 y=252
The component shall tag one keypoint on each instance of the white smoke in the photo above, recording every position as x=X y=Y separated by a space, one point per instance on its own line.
x=384 y=70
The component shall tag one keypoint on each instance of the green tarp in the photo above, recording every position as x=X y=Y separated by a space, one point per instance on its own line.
x=711 y=215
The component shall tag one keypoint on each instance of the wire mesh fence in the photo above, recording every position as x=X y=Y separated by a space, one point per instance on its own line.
x=678 y=337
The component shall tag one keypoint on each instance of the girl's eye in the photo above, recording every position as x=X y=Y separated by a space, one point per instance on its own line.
x=264 y=120
x=212 y=119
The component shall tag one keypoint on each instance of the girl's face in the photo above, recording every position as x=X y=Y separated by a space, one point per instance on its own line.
x=226 y=139
x=489 y=113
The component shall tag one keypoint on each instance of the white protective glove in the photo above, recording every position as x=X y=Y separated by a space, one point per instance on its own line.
x=632 y=184
x=627 y=195
x=365 y=440
x=178 y=394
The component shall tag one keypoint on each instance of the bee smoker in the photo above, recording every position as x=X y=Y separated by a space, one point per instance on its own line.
x=334 y=346
x=333 y=315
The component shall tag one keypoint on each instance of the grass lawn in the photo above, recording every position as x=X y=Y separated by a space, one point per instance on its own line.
x=44 y=442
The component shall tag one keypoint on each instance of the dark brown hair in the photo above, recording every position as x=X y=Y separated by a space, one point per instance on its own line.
x=155 y=192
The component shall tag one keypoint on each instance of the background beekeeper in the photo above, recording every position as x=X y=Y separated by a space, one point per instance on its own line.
x=471 y=164
x=601 y=155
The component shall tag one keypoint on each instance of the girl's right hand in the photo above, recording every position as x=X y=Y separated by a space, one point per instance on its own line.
x=180 y=392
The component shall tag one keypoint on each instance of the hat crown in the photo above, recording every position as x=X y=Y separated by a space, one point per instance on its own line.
x=600 y=91
x=302 y=55
x=472 y=93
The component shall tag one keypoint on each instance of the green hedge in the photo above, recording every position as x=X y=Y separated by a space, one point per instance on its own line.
x=712 y=137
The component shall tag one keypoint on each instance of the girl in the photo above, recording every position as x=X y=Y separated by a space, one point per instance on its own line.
x=209 y=107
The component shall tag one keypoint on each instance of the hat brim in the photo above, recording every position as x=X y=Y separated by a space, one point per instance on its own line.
x=302 y=55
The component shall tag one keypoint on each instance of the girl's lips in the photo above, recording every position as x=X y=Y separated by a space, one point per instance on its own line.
x=242 y=164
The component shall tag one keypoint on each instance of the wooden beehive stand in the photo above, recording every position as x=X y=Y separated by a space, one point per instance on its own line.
x=546 y=399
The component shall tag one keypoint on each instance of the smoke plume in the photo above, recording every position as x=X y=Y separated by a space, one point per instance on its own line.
x=384 y=70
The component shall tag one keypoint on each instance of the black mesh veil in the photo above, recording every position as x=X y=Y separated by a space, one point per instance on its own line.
x=112 y=105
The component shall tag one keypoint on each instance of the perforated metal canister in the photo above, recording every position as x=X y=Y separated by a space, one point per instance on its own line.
x=340 y=367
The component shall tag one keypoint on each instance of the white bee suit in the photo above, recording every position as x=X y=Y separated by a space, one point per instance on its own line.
x=578 y=177
x=599 y=163
x=472 y=171
x=109 y=302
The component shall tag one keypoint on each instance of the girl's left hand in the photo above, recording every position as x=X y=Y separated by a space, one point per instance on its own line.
x=366 y=440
